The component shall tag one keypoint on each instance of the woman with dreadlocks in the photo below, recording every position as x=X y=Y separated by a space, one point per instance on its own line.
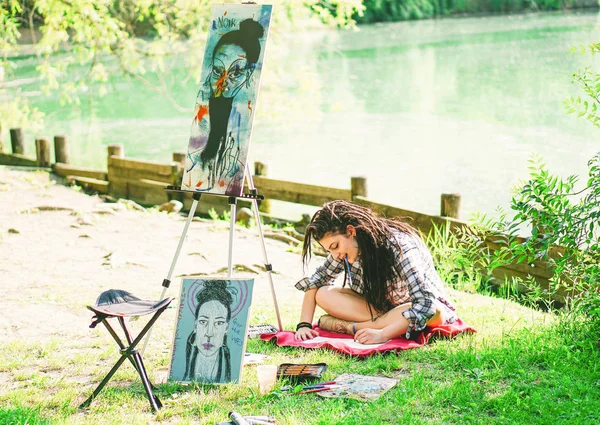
x=393 y=287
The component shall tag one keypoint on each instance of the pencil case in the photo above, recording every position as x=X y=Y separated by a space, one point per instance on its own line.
x=258 y=330
x=301 y=372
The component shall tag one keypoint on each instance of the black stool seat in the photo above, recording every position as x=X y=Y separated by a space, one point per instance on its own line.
x=119 y=303
x=116 y=303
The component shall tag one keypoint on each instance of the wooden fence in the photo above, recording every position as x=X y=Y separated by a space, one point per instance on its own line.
x=145 y=181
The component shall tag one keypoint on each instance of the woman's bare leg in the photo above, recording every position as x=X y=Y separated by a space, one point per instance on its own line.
x=343 y=303
x=390 y=325
x=347 y=305
x=395 y=316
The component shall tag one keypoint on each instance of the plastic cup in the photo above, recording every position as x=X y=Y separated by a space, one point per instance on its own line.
x=267 y=375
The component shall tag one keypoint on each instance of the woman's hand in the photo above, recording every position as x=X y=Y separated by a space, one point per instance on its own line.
x=370 y=336
x=304 y=334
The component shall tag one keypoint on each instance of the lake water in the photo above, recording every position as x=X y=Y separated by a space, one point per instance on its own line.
x=419 y=108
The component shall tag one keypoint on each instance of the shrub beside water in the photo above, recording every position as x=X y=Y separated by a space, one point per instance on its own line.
x=401 y=10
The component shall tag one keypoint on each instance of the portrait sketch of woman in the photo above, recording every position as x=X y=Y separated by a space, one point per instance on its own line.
x=211 y=330
x=225 y=104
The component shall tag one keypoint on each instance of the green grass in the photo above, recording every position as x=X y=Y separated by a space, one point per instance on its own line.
x=522 y=366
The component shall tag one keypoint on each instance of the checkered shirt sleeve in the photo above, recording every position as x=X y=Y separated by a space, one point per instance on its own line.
x=412 y=270
x=323 y=276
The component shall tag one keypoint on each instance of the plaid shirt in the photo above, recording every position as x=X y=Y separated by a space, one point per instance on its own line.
x=418 y=282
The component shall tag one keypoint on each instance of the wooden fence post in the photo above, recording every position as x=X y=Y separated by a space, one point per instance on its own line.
x=450 y=205
x=17 y=141
x=61 y=149
x=358 y=187
x=117 y=150
x=179 y=157
x=42 y=152
x=261 y=169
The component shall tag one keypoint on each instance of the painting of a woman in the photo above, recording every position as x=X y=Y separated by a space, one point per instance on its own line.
x=221 y=127
x=207 y=355
x=211 y=332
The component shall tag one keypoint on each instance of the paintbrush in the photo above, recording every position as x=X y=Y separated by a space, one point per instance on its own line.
x=348 y=269
x=318 y=390
x=309 y=387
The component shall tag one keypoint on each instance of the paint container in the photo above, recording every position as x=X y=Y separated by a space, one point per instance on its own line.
x=267 y=375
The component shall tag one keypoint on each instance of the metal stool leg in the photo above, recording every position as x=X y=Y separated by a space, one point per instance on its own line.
x=152 y=398
x=112 y=332
x=104 y=381
x=132 y=354
x=155 y=403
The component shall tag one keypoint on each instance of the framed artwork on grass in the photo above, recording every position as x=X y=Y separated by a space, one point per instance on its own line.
x=211 y=330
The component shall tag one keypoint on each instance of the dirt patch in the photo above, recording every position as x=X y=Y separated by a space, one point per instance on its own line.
x=60 y=248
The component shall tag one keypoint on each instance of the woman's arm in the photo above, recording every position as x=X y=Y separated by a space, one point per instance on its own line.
x=324 y=275
x=309 y=304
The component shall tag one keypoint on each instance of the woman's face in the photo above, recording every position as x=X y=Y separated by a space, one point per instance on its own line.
x=229 y=70
x=211 y=327
x=341 y=245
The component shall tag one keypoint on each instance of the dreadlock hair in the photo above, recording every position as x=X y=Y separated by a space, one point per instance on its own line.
x=373 y=237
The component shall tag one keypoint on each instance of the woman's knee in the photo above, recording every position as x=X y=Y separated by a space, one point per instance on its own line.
x=323 y=295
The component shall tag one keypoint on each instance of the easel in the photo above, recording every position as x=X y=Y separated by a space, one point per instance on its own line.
x=254 y=197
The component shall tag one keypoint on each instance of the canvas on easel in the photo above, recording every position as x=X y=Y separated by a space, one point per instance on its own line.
x=216 y=163
x=210 y=334
x=226 y=102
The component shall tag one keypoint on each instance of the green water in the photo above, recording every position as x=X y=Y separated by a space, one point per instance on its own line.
x=419 y=108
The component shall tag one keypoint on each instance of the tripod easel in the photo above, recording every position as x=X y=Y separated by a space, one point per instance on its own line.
x=254 y=197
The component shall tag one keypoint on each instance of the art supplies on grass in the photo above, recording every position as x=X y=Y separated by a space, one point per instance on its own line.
x=301 y=372
x=267 y=376
x=238 y=419
x=253 y=358
x=359 y=387
x=258 y=330
x=307 y=389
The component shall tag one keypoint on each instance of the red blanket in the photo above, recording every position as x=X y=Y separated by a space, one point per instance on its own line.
x=345 y=343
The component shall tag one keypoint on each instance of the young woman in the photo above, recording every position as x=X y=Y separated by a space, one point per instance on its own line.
x=393 y=287
x=207 y=355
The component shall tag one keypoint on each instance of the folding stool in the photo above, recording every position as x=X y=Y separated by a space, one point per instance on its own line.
x=121 y=304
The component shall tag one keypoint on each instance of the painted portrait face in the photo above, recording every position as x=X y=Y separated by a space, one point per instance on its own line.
x=229 y=70
x=341 y=245
x=211 y=327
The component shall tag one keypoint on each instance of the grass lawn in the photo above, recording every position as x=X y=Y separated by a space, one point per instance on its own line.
x=521 y=367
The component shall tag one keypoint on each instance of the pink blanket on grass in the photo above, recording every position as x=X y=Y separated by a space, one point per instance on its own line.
x=346 y=344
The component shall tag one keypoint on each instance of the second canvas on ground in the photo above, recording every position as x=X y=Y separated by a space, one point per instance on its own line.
x=210 y=335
